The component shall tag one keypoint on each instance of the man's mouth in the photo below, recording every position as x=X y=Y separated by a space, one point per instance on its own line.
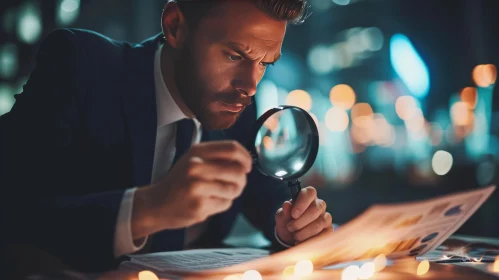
x=231 y=107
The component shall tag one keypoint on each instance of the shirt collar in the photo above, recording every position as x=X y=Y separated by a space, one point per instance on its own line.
x=168 y=110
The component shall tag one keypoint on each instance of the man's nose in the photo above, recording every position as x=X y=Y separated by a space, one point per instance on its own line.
x=248 y=78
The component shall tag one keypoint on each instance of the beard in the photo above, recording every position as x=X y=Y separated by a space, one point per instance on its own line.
x=195 y=93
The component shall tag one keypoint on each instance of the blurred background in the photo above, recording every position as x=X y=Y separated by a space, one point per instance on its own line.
x=403 y=92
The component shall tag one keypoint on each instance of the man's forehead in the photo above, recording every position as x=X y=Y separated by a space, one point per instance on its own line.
x=243 y=23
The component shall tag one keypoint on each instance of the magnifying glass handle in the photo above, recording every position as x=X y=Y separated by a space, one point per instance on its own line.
x=295 y=188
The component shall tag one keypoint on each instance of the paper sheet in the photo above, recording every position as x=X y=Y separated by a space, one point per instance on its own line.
x=197 y=260
x=397 y=230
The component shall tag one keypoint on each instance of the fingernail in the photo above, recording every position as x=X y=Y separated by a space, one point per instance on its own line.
x=296 y=213
x=290 y=228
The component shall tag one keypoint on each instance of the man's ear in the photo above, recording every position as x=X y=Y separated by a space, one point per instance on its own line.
x=174 y=25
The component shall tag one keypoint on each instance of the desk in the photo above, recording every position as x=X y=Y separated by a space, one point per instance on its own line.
x=403 y=269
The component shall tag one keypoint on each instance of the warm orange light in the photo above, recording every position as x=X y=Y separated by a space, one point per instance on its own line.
x=251 y=275
x=350 y=273
x=381 y=131
x=268 y=143
x=405 y=106
x=288 y=271
x=361 y=135
x=362 y=114
x=234 y=277
x=380 y=262
x=367 y=270
x=484 y=75
x=423 y=267
x=299 y=98
x=469 y=96
x=342 y=96
x=272 y=123
x=304 y=268
x=416 y=122
x=495 y=265
x=460 y=114
x=147 y=275
x=337 y=119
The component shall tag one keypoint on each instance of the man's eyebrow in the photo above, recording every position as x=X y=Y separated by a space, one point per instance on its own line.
x=243 y=51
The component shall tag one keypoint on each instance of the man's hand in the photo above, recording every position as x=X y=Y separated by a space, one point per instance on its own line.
x=203 y=182
x=305 y=218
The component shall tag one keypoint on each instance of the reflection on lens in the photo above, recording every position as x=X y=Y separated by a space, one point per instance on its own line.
x=281 y=173
x=298 y=165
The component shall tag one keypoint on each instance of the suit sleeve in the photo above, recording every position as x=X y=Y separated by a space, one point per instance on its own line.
x=41 y=207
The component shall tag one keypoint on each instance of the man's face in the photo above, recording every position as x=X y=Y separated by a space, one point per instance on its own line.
x=224 y=58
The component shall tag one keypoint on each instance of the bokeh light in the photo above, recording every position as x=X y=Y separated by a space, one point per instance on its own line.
x=342 y=96
x=67 y=12
x=366 y=270
x=416 y=123
x=234 y=277
x=288 y=271
x=469 y=95
x=9 y=63
x=380 y=262
x=409 y=66
x=299 y=98
x=337 y=119
x=6 y=98
x=321 y=59
x=436 y=134
x=304 y=268
x=29 y=27
x=362 y=114
x=423 y=267
x=461 y=114
x=442 y=162
x=268 y=143
x=405 y=106
x=495 y=265
x=484 y=75
x=350 y=273
x=374 y=36
x=251 y=275
x=147 y=275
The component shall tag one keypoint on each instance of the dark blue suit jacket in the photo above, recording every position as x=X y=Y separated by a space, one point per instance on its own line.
x=82 y=132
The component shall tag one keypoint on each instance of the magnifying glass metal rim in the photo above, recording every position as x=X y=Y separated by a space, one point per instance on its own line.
x=309 y=161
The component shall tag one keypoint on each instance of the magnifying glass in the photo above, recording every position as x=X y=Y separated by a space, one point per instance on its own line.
x=285 y=141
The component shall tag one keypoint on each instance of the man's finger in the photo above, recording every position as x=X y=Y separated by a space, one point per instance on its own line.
x=305 y=198
x=215 y=189
x=223 y=171
x=316 y=209
x=314 y=228
x=223 y=150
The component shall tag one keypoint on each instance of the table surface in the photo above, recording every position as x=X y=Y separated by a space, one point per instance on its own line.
x=400 y=269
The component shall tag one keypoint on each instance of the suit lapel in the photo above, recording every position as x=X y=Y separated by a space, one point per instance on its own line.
x=139 y=103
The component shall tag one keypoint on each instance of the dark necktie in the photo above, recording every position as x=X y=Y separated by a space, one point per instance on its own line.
x=173 y=240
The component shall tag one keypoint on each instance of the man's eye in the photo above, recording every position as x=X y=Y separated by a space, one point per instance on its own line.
x=234 y=57
x=265 y=64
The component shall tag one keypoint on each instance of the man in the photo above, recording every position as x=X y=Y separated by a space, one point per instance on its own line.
x=98 y=161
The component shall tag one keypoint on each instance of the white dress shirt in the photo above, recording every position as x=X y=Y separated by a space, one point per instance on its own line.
x=168 y=113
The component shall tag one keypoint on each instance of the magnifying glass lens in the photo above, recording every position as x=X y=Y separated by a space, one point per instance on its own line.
x=284 y=143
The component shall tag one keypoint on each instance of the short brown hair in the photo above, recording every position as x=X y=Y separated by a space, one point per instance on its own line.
x=292 y=11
